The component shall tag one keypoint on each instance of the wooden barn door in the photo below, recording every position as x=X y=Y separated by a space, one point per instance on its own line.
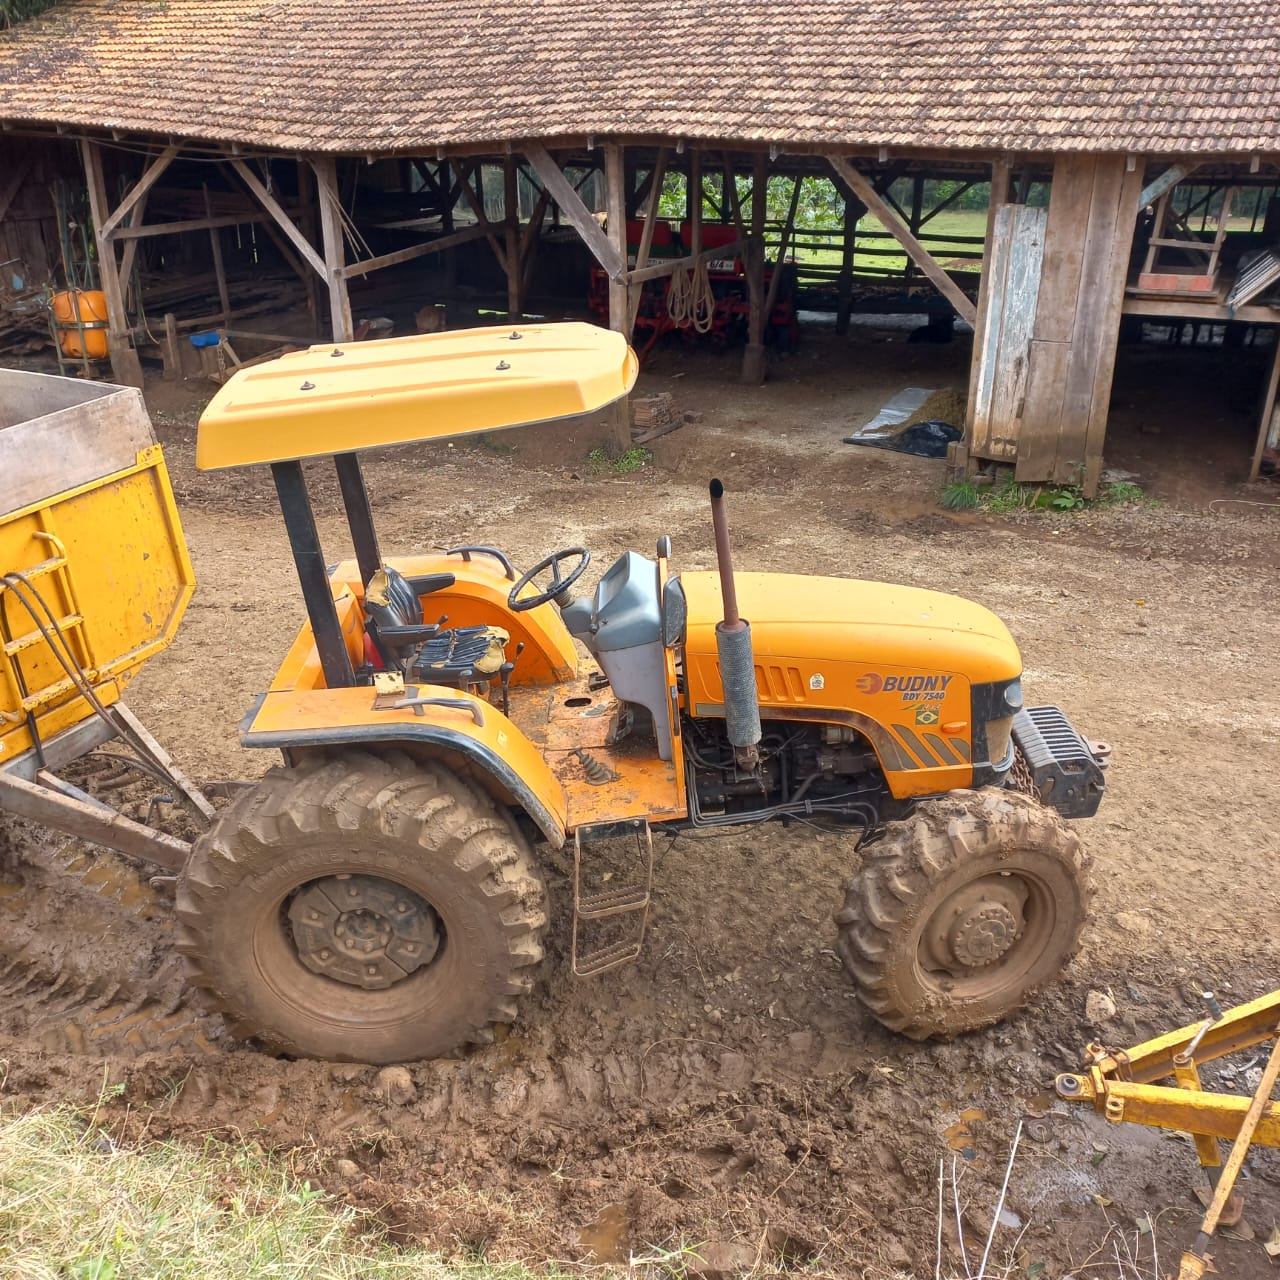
x=1093 y=210
x=1005 y=328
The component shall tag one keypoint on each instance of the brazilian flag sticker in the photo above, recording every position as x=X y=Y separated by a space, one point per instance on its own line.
x=926 y=715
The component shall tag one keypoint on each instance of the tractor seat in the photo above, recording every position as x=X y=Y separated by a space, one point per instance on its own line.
x=430 y=652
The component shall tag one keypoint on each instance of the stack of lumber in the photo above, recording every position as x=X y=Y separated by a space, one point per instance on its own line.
x=653 y=416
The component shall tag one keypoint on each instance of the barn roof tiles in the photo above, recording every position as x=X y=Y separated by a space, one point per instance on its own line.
x=1172 y=76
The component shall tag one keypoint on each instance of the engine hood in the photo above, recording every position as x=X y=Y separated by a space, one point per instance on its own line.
x=874 y=626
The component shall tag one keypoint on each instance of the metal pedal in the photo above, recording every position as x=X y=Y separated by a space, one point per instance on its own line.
x=623 y=900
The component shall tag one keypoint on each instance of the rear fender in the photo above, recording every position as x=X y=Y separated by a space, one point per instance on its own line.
x=471 y=735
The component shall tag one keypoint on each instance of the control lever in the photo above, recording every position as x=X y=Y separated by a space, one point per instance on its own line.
x=504 y=677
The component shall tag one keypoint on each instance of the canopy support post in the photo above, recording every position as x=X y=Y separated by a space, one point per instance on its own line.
x=355 y=500
x=317 y=591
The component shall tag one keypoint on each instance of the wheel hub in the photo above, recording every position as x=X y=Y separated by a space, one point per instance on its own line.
x=975 y=927
x=981 y=936
x=362 y=930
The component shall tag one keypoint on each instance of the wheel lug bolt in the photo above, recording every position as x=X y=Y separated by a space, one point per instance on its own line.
x=351 y=942
x=325 y=954
x=372 y=971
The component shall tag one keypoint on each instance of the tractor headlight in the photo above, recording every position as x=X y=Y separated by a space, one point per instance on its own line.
x=1013 y=696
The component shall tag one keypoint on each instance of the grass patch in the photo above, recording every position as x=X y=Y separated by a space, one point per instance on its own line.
x=1007 y=496
x=634 y=459
x=73 y=1206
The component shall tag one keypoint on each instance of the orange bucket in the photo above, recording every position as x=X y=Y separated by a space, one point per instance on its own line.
x=74 y=309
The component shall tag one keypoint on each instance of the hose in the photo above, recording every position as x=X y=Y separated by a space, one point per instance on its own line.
x=25 y=592
x=690 y=300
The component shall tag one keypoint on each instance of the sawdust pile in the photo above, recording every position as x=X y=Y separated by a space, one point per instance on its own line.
x=947 y=405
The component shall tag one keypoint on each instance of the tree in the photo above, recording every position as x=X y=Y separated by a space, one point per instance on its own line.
x=14 y=11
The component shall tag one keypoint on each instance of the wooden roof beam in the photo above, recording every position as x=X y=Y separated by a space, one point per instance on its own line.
x=482 y=218
x=918 y=254
x=282 y=219
x=573 y=208
x=1170 y=178
x=414 y=251
x=150 y=176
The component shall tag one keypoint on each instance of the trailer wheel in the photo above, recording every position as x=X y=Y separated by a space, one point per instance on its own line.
x=362 y=908
x=963 y=911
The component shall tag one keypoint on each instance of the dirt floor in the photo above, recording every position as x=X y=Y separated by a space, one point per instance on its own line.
x=727 y=1091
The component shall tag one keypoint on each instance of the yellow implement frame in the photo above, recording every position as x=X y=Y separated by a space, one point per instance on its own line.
x=94 y=579
x=1122 y=1086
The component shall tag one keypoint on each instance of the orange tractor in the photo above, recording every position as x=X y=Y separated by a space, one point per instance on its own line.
x=446 y=718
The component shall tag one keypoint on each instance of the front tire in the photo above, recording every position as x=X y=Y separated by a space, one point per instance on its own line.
x=963 y=911
x=362 y=908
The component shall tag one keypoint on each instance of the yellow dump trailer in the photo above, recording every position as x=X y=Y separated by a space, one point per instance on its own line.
x=94 y=579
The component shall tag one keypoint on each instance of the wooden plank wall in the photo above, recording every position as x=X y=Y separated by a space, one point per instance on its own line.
x=28 y=227
x=1011 y=287
x=1092 y=214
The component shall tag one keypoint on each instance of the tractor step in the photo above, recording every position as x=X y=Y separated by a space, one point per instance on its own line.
x=612 y=902
x=605 y=958
x=626 y=899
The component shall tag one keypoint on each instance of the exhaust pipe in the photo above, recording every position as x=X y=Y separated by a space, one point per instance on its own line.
x=733 y=644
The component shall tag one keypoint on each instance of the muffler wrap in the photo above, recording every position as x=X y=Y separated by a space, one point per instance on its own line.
x=738 y=676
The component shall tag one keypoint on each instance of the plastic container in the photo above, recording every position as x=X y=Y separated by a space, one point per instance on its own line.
x=81 y=309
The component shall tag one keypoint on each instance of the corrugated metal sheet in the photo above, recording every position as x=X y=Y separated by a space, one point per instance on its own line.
x=1162 y=76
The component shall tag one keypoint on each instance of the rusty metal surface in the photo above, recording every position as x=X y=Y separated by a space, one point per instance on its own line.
x=574 y=717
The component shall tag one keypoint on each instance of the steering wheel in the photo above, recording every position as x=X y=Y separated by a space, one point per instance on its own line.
x=522 y=604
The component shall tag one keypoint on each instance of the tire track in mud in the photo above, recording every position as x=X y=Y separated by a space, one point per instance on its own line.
x=86 y=959
x=518 y=1144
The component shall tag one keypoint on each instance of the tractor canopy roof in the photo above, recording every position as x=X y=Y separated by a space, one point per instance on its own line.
x=361 y=395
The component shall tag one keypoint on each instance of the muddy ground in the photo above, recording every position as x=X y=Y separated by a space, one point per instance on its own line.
x=727 y=1091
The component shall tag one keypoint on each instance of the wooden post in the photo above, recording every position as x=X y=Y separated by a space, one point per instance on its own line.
x=326 y=171
x=215 y=243
x=1061 y=413
x=172 y=352
x=656 y=175
x=125 y=365
x=695 y=203
x=307 y=224
x=731 y=206
x=784 y=244
x=128 y=257
x=1000 y=173
x=853 y=210
x=913 y=222
x=619 y=297
x=1268 y=413
x=753 y=357
x=511 y=221
x=449 y=194
x=529 y=241
x=452 y=193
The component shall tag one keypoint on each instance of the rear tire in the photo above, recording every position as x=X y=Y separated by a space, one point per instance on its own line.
x=409 y=837
x=963 y=911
